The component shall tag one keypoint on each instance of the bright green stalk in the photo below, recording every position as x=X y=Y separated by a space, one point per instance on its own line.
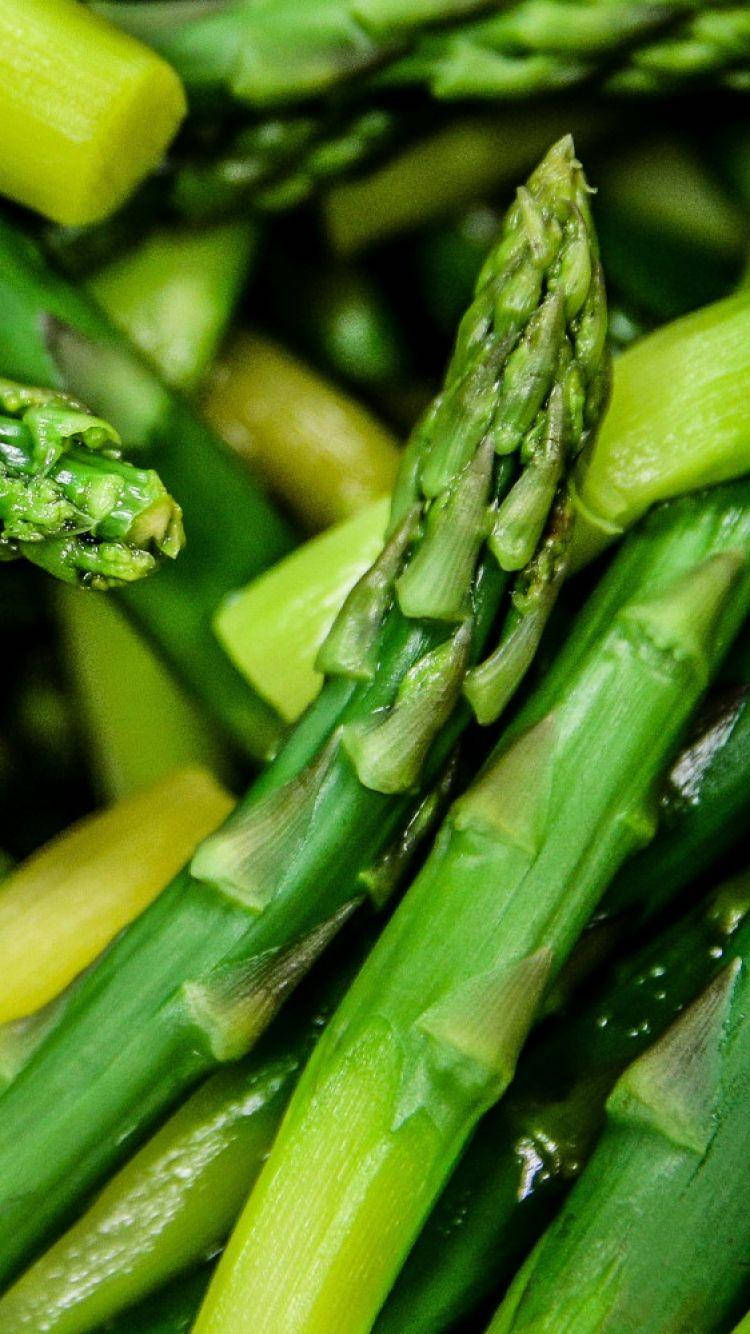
x=198 y=976
x=427 y=1038
x=655 y=1236
x=743 y=1326
x=677 y=420
x=529 y=1150
x=51 y=334
x=175 y=293
x=68 y=501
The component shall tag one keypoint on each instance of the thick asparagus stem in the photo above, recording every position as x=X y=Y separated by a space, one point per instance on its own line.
x=427 y=1038
x=529 y=1150
x=69 y=502
x=51 y=334
x=655 y=1235
x=198 y=976
x=86 y=111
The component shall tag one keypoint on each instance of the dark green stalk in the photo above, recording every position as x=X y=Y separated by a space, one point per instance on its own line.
x=427 y=1038
x=68 y=502
x=52 y=334
x=282 y=53
x=268 y=166
x=655 y=1235
x=173 y=1204
x=529 y=1150
x=194 y=981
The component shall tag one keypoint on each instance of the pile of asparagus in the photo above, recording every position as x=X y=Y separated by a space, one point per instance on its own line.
x=445 y=1022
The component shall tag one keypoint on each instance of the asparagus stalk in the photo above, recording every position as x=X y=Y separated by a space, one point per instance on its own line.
x=656 y=1233
x=318 y=449
x=198 y=976
x=173 y=1204
x=68 y=502
x=52 y=334
x=540 y=46
x=276 y=55
x=530 y=1149
x=684 y=384
x=175 y=294
x=86 y=111
x=67 y=901
x=427 y=1038
x=274 y=628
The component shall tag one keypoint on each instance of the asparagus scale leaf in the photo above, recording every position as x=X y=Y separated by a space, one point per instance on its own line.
x=666 y=1185
x=427 y=1038
x=327 y=823
x=69 y=502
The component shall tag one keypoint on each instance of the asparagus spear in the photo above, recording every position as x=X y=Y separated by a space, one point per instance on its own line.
x=52 y=334
x=427 y=1038
x=279 y=54
x=655 y=1236
x=529 y=1150
x=197 y=977
x=69 y=502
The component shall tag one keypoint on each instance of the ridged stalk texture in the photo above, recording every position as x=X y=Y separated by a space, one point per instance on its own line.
x=655 y=1235
x=173 y=1204
x=68 y=500
x=52 y=334
x=530 y=1149
x=194 y=981
x=275 y=55
x=427 y=1038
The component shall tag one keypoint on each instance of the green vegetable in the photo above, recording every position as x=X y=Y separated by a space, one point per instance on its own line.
x=539 y=46
x=175 y=1201
x=528 y=1151
x=274 y=628
x=703 y=809
x=677 y=420
x=194 y=981
x=175 y=293
x=427 y=1038
x=655 y=1236
x=51 y=334
x=68 y=501
x=279 y=54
